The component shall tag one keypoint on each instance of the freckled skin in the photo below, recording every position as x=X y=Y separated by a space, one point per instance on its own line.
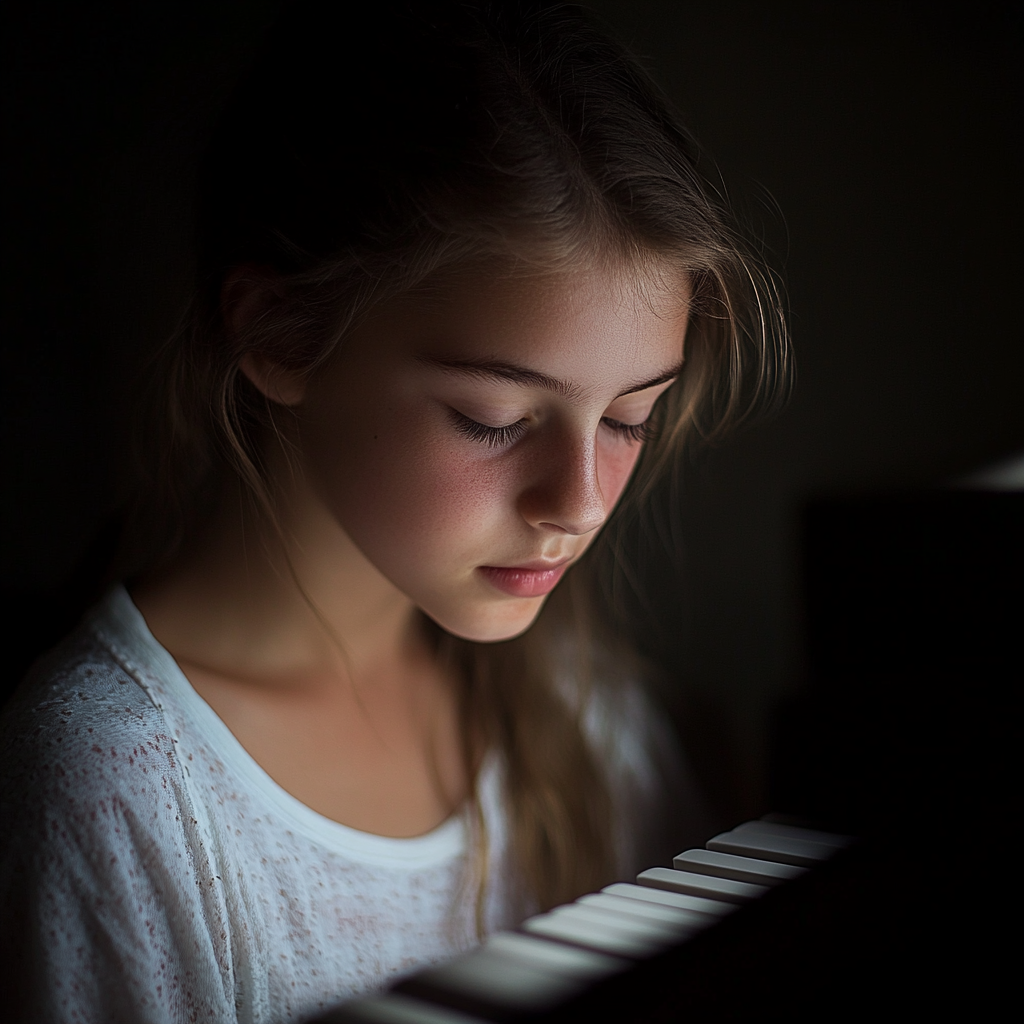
x=429 y=506
x=396 y=501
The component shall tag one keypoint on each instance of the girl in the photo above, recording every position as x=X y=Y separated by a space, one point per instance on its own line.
x=360 y=700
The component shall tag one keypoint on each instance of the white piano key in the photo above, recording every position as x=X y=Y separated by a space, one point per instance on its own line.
x=810 y=835
x=700 y=885
x=496 y=979
x=553 y=956
x=766 y=846
x=558 y=954
x=598 y=930
x=713 y=909
x=573 y=932
x=398 y=1009
x=740 y=869
x=685 y=919
x=627 y=923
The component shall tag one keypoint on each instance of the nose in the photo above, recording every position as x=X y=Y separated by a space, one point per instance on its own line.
x=564 y=491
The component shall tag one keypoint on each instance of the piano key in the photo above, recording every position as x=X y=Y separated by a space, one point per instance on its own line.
x=647 y=911
x=618 y=917
x=554 y=956
x=490 y=979
x=557 y=955
x=811 y=835
x=713 y=909
x=740 y=869
x=392 y=1008
x=767 y=846
x=690 y=882
x=584 y=926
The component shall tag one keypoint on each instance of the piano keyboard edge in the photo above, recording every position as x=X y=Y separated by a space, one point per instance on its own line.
x=555 y=956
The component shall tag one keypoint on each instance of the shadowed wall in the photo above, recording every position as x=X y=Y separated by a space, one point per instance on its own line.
x=875 y=147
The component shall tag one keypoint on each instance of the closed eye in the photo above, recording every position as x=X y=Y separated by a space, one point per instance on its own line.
x=504 y=436
x=634 y=433
x=493 y=437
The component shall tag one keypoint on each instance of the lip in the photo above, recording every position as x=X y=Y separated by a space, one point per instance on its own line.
x=533 y=579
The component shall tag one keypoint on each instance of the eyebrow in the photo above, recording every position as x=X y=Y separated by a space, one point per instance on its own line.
x=522 y=375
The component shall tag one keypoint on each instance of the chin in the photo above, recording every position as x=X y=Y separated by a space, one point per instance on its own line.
x=492 y=624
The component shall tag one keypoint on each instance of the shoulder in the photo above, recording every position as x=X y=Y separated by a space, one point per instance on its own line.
x=106 y=895
x=78 y=714
x=83 y=749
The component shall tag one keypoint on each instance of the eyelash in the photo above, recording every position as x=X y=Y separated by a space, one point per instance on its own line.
x=636 y=433
x=502 y=437
x=493 y=437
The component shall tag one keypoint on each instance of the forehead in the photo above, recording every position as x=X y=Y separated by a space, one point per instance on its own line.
x=574 y=325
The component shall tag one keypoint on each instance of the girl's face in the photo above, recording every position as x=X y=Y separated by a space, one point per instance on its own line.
x=472 y=440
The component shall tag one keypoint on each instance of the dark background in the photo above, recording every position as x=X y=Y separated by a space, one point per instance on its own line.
x=875 y=147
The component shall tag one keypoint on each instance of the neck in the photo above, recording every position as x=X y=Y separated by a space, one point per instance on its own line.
x=298 y=601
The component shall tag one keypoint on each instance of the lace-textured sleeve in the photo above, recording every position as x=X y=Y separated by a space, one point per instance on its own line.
x=109 y=908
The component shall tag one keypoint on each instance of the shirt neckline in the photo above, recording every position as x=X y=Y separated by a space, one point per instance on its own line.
x=122 y=628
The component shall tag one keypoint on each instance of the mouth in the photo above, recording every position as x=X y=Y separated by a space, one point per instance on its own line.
x=534 y=579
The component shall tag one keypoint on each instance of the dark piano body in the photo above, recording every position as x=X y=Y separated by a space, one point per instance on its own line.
x=907 y=735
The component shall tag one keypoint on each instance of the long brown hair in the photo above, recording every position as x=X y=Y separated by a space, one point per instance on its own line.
x=359 y=157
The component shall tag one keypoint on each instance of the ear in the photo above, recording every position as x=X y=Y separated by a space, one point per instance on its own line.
x=247 y=292
x=286 y=387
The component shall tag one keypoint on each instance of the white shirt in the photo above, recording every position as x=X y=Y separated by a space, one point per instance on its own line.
x=153 y=872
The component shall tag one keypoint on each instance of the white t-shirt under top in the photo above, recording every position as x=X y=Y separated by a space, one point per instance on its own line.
x=151 y=871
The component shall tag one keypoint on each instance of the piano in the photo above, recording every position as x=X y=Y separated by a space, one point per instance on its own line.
x=907 y=734
x=590 y=959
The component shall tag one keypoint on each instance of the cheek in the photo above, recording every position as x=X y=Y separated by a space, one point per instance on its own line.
x=403 y=491
x=430 y=497
x=614 y=468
